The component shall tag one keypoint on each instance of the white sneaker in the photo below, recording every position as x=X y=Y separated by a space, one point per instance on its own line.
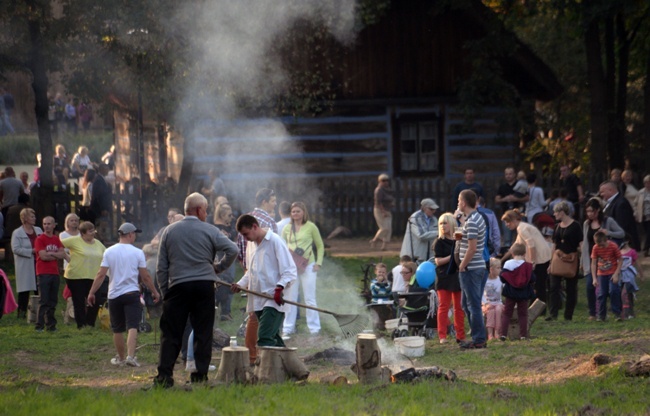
x=212 y=368
x=117 y=362
x=132 y=361
x=190 y=366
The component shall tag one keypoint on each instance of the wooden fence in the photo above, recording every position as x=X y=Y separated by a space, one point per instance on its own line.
x=332 y=202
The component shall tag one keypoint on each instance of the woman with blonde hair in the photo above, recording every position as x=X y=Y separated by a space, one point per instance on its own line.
x=86 y=254
x=22 y=245
x=538 y=251
x=302 y=236
x=81 y=162
x=447 y=284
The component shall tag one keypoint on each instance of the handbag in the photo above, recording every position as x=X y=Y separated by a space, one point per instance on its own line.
x=563 y=264
x=301 y=262
x=297 y=255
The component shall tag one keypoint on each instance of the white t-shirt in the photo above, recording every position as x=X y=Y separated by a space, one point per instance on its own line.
x=282 y=223
x=492 y=294
x=123 y=262
x=399 y=285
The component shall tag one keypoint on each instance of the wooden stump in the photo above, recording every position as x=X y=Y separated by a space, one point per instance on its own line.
x=335 y=380
x=534 y=311
x=279 y=364
x=32 y=309
x=368 y=366
x=234 y=366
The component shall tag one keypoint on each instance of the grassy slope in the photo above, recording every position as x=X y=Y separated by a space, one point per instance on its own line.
x=68 y=372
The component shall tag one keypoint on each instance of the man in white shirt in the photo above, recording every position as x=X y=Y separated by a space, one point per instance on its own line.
x=270 y=270
x=126 y=264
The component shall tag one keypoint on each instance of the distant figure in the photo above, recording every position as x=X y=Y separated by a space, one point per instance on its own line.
x=384 y=201
x=85 y=112
x=284 y=209
x=24 y=178
x=80 y=162
x=617 y=207
x=421 y=230
x=573 y=186
x=5 y=111
x=49 y=251
x=10 y=189
x=468 y=183
x=536 y=201
x=22 y=245
x=71 y=116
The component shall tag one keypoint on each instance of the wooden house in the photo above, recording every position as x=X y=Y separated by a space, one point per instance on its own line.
x=395 y=106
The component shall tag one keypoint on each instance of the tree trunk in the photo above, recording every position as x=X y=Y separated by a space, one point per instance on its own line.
x=597 y=89
x=618 y=145
x=36 y=65
x=185 y=178
x=646 y=116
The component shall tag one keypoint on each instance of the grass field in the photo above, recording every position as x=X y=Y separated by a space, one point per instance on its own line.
x=68 y=372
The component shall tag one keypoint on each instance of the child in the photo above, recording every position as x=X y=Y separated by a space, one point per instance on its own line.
x=604 y=256
x=379 y=287
x=492 y=304
x=521 y=187
x=518 y=279
x=628 y=278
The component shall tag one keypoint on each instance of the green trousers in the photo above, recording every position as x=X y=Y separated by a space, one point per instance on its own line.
x=268 y=333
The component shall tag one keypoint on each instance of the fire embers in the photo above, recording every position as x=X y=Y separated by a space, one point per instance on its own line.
x=414 y=375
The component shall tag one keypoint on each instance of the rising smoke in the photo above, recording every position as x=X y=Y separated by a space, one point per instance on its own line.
x=231 y=47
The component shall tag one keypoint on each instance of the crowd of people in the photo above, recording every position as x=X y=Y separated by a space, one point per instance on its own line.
x=539 y=248
x=485 y=265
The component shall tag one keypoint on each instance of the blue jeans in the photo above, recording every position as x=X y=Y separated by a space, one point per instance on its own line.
x=472 y=283
x=608 y=288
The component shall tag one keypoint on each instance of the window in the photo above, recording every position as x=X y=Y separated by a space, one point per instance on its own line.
x=419 y=146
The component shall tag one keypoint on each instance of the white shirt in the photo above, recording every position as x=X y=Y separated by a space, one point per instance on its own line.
x=269 y=264
x=124 y=262
x=282 y=223
x=399 y=285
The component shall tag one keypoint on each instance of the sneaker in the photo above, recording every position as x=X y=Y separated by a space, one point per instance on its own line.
x=117 y=362
x=630 y=317
x=471 y=345
x=212 y=368
x=619 y=319
x=599 y=319
x=190 y=367
x=550 y=318
x=132 y=361
x=523 y=339
x=443 y=340
x=226 y=318
x=503 y=338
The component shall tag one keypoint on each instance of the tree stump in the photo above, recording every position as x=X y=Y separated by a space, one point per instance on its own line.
x=368 y=366
x=279 y=364
x=234 y=366
x=32 y=309
x=534 y=311
x=335 y=380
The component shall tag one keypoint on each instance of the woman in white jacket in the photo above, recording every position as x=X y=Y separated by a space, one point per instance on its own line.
x=642 y=212
x=22 y=245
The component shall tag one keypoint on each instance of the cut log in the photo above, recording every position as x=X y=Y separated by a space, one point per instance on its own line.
x=234 y=366
x=335 y=380
x=32 y=309
x=534 y=311
x=279 y=364
x=368 y=357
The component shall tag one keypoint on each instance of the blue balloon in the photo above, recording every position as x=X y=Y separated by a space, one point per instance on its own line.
x=425 y=274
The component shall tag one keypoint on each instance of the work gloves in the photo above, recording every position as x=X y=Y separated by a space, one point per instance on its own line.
x=277 y=295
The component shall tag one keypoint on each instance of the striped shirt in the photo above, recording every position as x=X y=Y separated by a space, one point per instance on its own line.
x=474 y=229
x=607 y=258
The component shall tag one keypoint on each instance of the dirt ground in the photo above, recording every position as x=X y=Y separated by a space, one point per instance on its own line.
x=360 y=247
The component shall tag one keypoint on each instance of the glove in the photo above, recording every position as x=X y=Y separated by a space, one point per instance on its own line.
x=277 y=296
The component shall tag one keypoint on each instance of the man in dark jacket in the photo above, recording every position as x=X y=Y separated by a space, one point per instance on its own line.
x=617 y=207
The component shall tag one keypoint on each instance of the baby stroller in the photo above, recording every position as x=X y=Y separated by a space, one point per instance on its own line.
x=418 y=316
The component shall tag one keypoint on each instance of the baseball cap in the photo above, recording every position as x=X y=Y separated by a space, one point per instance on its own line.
x=429 y=203
x=127 y=228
